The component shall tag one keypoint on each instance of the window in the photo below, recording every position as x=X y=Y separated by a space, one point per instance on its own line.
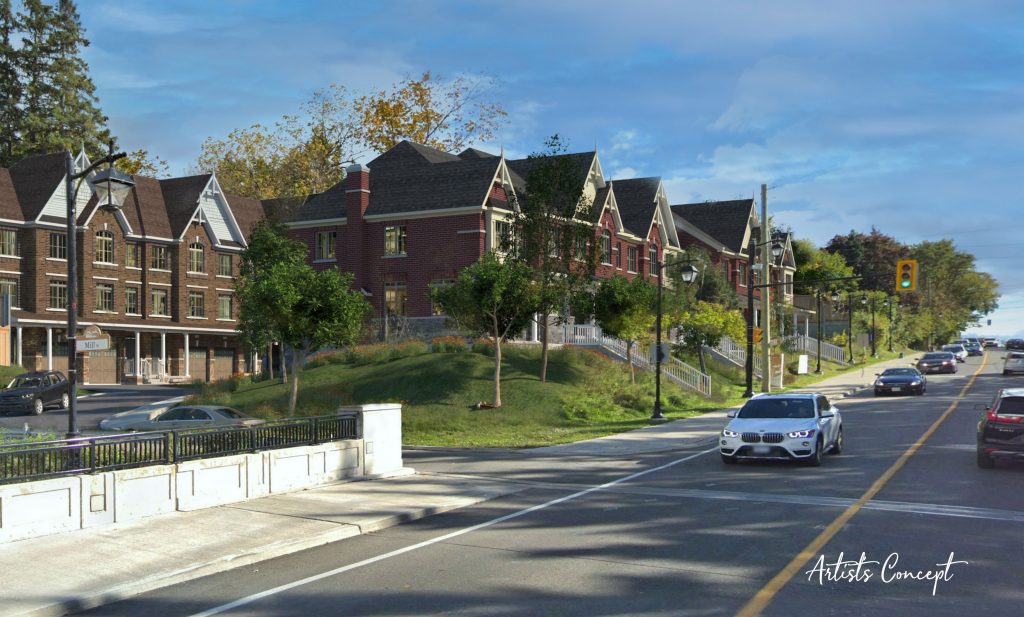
x=435 y=309
x=504 y=236
x=10 y=287
x=131 y=300
x=159 y=302
x=58 y=246
x=741 y=273
x=631 y=259
x=325 y=245
x=196 y=304
x=606 y=247
x=104 y=247
x=196 y=258
x=394 y=240
x=131 y=255
x=224 y=306
x=395 y=297
x=8 y=242
x=58 y=295
x=789 y=284
x=104 y=297
x=224 y=265
x=159 y=260
x=652 y=259
x=579 y=248
x=618 y=255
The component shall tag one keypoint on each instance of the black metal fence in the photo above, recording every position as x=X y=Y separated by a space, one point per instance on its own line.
x=22 y=462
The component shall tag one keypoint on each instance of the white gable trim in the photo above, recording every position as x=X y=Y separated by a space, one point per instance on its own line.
x=214 y=192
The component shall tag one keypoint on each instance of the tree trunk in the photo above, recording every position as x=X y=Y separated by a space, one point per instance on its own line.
x=298 y=357
x=544 y=351
x=270 y=361
x=284 y=364
x=629 y=361
x=497 y=365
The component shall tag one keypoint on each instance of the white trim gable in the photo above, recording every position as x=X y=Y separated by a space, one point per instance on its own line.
x=501 y=174
x=214 y=213
x=612 y=205
x=56 y=205
x=662 y=213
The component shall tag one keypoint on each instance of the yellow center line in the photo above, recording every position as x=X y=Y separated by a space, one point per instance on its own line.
x=765 y=595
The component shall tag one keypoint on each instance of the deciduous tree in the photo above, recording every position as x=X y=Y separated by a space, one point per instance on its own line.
x=625 y=310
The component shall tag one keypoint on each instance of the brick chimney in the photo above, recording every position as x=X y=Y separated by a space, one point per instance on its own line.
x=357 y=200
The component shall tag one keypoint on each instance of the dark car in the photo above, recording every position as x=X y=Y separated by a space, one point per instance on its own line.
x=1001 y=429
x=974 y=349
x=900 y=381
x=33 y=392
x=937 y=362
x=1015 y=344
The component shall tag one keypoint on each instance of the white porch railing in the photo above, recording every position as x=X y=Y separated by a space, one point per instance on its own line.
x=738 y=353
x=676 y=370
x=808 y=344
x=149 y=368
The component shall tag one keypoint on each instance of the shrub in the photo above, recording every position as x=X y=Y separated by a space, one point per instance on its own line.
x=448 y=344
x=484 y=345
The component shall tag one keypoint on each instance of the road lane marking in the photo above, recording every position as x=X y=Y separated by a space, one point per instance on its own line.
x=765 y=595
x=395 y=553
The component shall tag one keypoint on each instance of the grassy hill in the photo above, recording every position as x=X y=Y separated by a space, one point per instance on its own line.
x=586 y=395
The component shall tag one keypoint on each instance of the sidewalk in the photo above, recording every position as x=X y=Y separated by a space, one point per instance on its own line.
x=57 y=574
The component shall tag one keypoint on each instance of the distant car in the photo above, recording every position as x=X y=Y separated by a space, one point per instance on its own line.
x=1001 y=429
x=177 y=418
x=1014 y=344
x=989 y=342
x=974 y=349
x=900 y=381
x=1013 y=362
x=957 y=350
x=35 y=391
x=937 y=362
x=798 y=427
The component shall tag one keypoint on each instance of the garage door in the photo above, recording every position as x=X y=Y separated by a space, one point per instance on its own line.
x=197 y=365
x=223 y=363
x=102 y=367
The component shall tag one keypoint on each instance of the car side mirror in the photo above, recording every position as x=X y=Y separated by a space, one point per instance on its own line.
x=731 y=414
x=828 y=414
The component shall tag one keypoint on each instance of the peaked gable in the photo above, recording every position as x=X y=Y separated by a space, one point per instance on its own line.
x=725 y=221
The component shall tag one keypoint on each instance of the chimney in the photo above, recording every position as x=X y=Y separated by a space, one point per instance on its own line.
x=357 y=200
x=357 y=191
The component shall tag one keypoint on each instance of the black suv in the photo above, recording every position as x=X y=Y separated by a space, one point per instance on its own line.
x=1015 y=344
x=1001 y=429
x=33 y=392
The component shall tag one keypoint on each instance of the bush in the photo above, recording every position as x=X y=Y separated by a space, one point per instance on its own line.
x=484 y=345
x=448 y=344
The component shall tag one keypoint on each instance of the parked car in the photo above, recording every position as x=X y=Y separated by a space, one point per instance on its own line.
x=1013 y=362
x=1014 y=344
x=937 y=362
x=900 y=381
x=959 y=351
x=783 y=427
x=35 y=391
x=176 y=418
x=1001 y=429
x=974 y=349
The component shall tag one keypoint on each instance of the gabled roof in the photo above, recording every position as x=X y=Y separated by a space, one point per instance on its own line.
x=582 y=162
x=725 y=221
x=473 y=153
x=9 y=207
x=444 y=185
x=638 y=200
x=247 y=212
x=406 y=153
x=35 y=179
x=181 y=195
x=317 y=207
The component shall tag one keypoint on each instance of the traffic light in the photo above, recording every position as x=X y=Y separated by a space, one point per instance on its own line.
x=758 y=333
x=906 y=275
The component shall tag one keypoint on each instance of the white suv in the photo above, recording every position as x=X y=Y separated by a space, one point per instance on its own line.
x=783 y=426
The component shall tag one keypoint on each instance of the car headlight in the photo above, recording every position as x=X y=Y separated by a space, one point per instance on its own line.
x=802 y=434
x=27 y=395
x=727 y=433
x=878 y=383
x=916 y=382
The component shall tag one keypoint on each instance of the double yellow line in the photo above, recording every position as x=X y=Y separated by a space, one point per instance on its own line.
x=765 y=595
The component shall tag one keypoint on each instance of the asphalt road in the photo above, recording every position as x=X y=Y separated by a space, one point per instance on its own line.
x=679 y=533
x=102 y=401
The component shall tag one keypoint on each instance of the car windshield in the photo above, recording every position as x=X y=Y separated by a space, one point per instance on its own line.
x=1015 y=355
x=777 y=408
x=24 y=382
x=942 y=355
x=953 y=348
x=889 y=372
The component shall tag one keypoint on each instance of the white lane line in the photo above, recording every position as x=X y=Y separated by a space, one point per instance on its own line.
x=395 y=553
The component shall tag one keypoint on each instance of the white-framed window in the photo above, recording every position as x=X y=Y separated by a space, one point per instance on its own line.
x=131 y=255
x=196 y=304
x=58 y=245
x=631 y=254
x=223 y=306
x=606 y=247
x=196 y=257
x=58 y=294
x=396 y=298
x=325 y=241
x=741 y=274
x=394 y=240
x=9 y=242
x=9 y=286
x=504 y=236
x=104 y=245
x=618 y=255
x=224 y=265
x=159 y=301
x=104 y=297
x=652 y=260
x=131 y=300
x=158 y=260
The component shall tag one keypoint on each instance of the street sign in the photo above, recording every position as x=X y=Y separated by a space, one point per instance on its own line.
x=93 y=344
x=92 y=332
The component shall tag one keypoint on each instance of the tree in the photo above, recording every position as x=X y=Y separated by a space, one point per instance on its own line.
x=814 y=265
x=307 y=310
x=249 y=162
x=625 y=310
x=141 y=163
x=491 y=298
x=10 y=86
x=426 y=111
x=704 y=324
x=872 y=256
x=551 y=236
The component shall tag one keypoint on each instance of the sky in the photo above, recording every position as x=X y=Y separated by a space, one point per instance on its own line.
x=904 y=115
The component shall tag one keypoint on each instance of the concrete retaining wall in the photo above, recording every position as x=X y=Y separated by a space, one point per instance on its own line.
x=65 y=504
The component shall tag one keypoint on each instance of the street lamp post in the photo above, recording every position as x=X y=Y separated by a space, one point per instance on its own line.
x=871 y=336
x=689 y=273
x=888 y=306
x=111 y=187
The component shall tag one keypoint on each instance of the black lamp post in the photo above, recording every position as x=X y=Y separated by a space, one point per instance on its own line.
x=849 y=323
x=111 y=188
x=689 y=273
x=864 y=301
x=777 y=250
x=888 y=305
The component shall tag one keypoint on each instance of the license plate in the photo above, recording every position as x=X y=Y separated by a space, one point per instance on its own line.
x=762 y=449
x=895 y=389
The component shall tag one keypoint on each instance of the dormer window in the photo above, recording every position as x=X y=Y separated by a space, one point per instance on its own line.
x=196 y=258
x=104 y=246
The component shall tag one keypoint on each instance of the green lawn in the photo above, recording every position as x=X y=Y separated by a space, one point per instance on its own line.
x=586 y=395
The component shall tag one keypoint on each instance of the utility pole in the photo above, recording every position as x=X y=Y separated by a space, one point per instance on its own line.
x=766 y=273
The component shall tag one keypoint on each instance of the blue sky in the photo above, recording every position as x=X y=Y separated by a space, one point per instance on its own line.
x=903 y=115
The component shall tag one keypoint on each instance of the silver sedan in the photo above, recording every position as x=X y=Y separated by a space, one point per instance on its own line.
x=177 y=418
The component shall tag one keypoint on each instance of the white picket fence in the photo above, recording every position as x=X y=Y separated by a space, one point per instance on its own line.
x=673 y=368
x=150 y=368
x=738 y=353
x=807 y=344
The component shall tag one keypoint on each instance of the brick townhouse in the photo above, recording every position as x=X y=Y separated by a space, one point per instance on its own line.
x=414 y=216
x=157 y=276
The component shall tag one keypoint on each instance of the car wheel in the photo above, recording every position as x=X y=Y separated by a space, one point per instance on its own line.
x=920 y=391
x=985 y=461
x=65 y=400
x=728 y=460
x=815 y=458
x=37 y=407
x=837 y=447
